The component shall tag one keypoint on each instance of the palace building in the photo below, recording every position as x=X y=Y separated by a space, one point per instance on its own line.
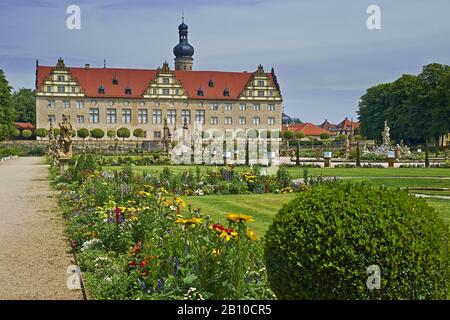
x=111 y=98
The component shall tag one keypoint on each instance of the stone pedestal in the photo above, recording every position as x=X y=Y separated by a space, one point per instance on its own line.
x=391 y=163
x=63 y=165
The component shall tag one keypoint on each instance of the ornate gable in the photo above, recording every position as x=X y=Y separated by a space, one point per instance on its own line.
x=60 y=82
x=260 y=87
x=165 y=85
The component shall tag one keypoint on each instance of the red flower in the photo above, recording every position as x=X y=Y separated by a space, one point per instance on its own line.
x=143 y=263
x=118 y=215
x=132 y=264
x=136 y=248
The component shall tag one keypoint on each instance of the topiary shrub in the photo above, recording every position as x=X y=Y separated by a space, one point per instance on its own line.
x=83 y=133
x=27 y=133
x=321 y=244
x=97 y=133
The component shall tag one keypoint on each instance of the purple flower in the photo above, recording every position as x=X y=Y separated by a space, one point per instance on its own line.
x=160 y=284
x=141 y=284
x=176 y=263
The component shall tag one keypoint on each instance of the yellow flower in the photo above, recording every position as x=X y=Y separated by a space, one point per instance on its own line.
x=229 y=235
x=216 y=252
x=144 y=194
x=233 y=217
x=251 y=234
x=179 y=202
x=122 y=209
x=189 y=222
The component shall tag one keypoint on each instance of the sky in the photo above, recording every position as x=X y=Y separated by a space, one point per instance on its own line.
x=324 y=55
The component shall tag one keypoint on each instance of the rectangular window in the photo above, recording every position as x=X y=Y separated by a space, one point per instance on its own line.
x=61 y=89
x=242 y=120
x=242 y=107
x=260 y=93
x=228 y=107
x=165 y=80
x=214 y=107
x=126 y=115
x=214 y=120
x=80 y=104
x=200 y=116
x=165 y=91
x=51 y=118
x=80 y=119
x=250 y=93
x=271 y=120
x=260 y=83
x=177 y=92
x=256 y=107
x=157 y=115
x=93 y=115
x=228 y=120
x=111 y=115
x=51 y=104
x=186 y=116
x=49 y=88
x=271 y=93
x=256 y=120
x=66 y=104
x=157 y=134
x=271 y=107
x=154 y=91
x=60 y=78
x=171 y=116
x=74 y=90
x=142 y=116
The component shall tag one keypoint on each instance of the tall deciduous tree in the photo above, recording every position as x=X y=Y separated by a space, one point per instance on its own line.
x=24 y=103
x=6 y=108
x=416 y=107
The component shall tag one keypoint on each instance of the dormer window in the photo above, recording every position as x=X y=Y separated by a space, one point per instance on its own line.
x=101 y=90
x=210 y=83
x=226 y=92
x=115 y=81
x=127 y=90
x=200 y=92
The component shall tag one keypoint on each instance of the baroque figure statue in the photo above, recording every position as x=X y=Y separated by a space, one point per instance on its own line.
x=65 y=140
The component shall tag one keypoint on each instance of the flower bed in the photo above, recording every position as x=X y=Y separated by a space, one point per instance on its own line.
x=136 y=240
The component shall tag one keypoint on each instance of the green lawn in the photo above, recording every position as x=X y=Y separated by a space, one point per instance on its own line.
x=373 y=172
x=261 y=206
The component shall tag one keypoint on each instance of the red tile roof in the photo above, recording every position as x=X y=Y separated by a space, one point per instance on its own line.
x=24 y=125
x=138 y=80
x=347 y=124
x=308 y=129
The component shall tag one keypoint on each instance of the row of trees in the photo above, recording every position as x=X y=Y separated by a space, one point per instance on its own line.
x=96 y=133
x=18 y=106
x=417 y=107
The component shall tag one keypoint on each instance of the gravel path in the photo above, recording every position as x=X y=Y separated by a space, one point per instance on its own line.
x=33 y=250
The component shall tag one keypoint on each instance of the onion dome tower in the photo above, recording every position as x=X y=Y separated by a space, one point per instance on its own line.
x=183 y=51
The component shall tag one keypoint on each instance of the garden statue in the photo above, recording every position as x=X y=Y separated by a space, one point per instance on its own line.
x=65 y=140
x=347 y=148
x=167 y=138
x=398 y=151
x=386 y=135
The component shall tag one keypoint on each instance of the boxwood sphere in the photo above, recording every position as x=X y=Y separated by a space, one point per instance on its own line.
x=320 y=245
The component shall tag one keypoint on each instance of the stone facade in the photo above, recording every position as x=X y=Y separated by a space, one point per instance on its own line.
x=112 y=98
x=258 y=106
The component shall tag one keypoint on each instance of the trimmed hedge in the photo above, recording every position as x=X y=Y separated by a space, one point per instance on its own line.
x=320 y=245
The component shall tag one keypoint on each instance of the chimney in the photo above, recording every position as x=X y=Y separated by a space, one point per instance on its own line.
x=87 y=66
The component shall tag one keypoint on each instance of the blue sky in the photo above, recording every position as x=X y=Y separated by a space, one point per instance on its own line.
x=324 y=55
